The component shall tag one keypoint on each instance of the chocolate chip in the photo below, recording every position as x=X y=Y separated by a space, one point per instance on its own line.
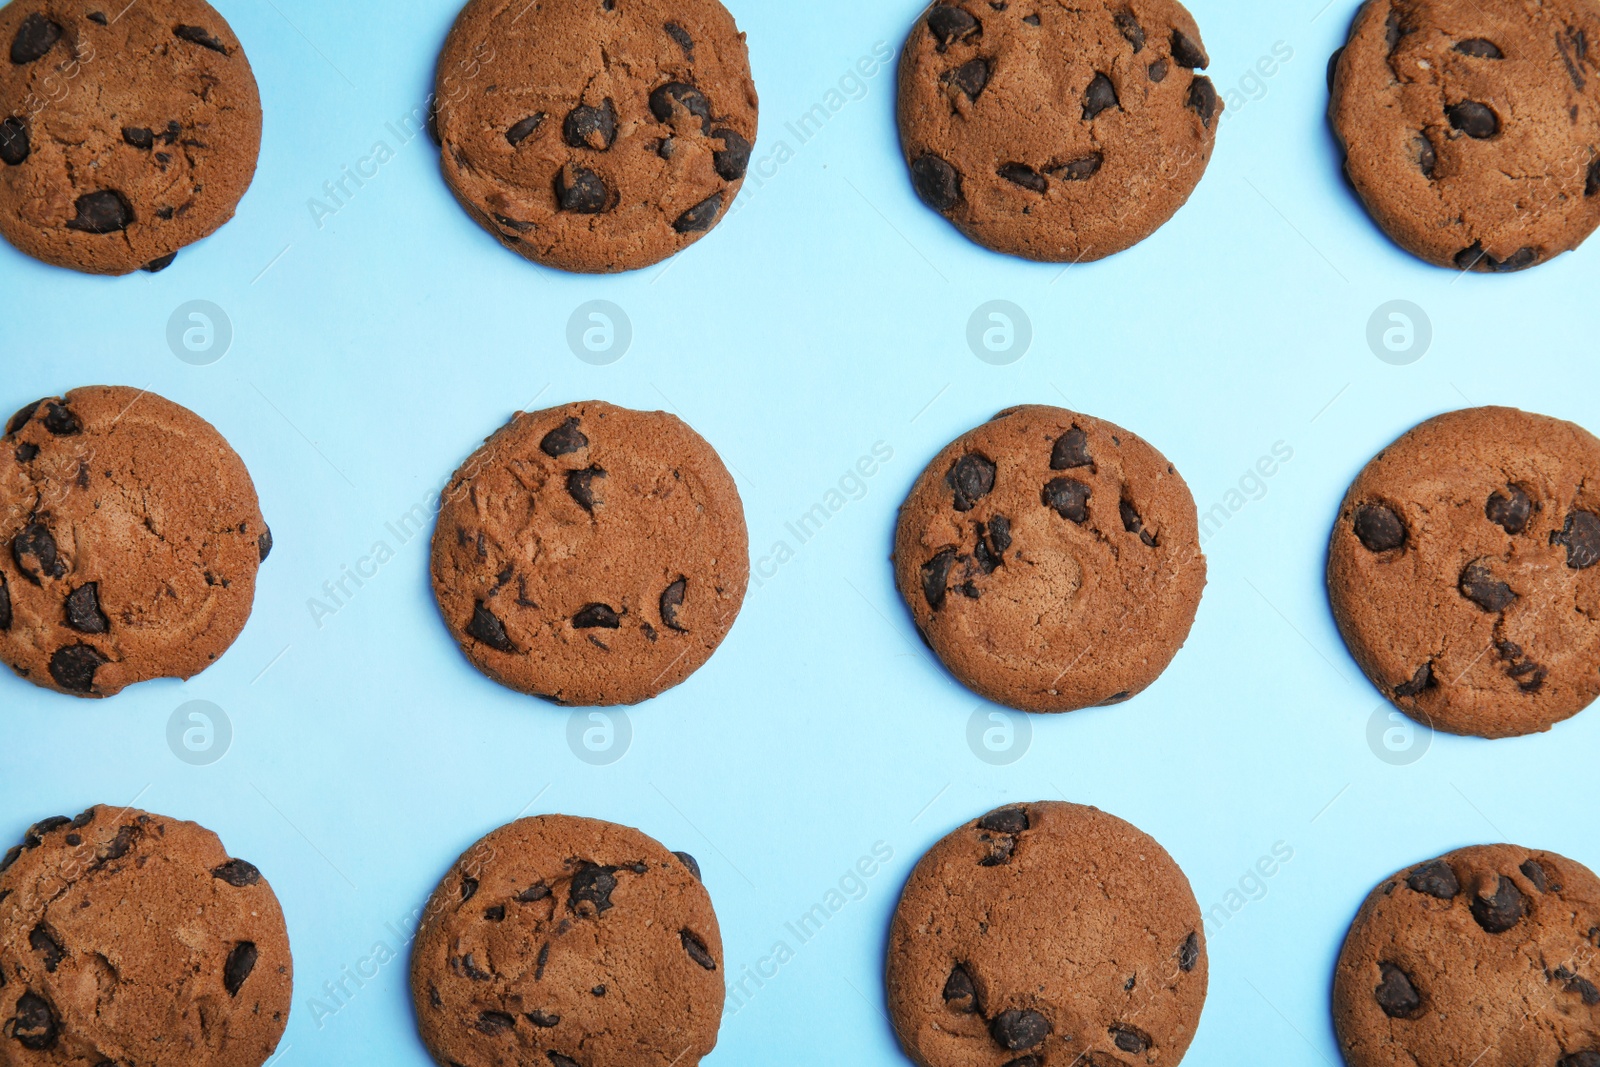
x=83 y=610
x=1005 y=821
x=1509 y=509
x=241 y=961
x=591 y=127
x=1581 y=536
x=701 y=217
x=237 y=873
x=1479 y=585
x=1015 y=1030
x=970 y=77
x=1187 y=52
x=12 y=855
x=558 y=1060
x=27 y=453
x=5 y=604
x=733 y=159
x=21 y=418
x=697 y=950
x=1100 y=95
x=99 y=17
x=1023 y=175
x=563 y=440
x=38 y=831
x=1476 y=120
x=959 y=991
x=495 y=914
x=1071 y=451
x=1475 y=258
x=1189 y=954
x=936 y=182
x=580 y=190
x=34 y=1026
x=1592 y=185
x=1158 y=71
x=47 y=947
x=59 y=420
x=36 y=543
x=36 y=36
x=544 y=1020
x=1129 y=1039
x=1130 y=29
x=1379 y=528
x=1534 y=873
x=1478 y=48
x=1080 y=169
x=681 y=35
x=1584 y=989
x=1436 y=879
x=1574 y=41
x=1396 y=994
x=1132 y=523
x=1426 y=156
x=1423 y=679
x=971 y=478
x=596 y=617
x=689 y=862
x=592 y=885
x=524 y=129
x=101 y=212
x=994 y=539
x=160 y=263
x=264 y=544
x=580 y=486
x=936 y=576
x=671 y=601
x=487 y=628
x=1581 y=1059
x=665 y=101
x=495 y=1023
x=1069 y=498
x=1203 y=100
x=1501 y=912
x=1001 y=850
x=14 y=146
x=598 y=991
x=1024 y=1061
x=950 y=25
x=139 y=137
x=533 y=893
x=198 y=35
x=1395 y=28
x=469 y=888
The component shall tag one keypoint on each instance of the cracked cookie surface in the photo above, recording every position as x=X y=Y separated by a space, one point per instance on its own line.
x=590 y=554
x=1487 y=955
x=130 y=938
x=1464 y=571
x=558 y=941
x=1056 y=130
x=127 y=131
x=130 y=537
x=1471 y=128
x=1051 y=560
x=595 y=136
x=1046 y=935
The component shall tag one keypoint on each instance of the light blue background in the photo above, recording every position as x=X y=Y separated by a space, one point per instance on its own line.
x=828 y=314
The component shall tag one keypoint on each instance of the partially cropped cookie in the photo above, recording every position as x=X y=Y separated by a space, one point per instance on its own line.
x=1051 y=560
x=130 y=938
x=127 y=131
x=1046 y=935
x=1486 y=955
x=130 y=537
x=1058 y=130
x=1471 y=128
x=590 y=554
x=596 y=137
x=563 y=942
x=1463 y=571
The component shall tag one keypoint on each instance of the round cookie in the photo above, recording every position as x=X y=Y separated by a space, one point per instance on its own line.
x=1463 y=576
x=590 y=554
x=130 y=537
x=1487 y=955
x=596 y=137
x=1056 y=130
x=132 y=938
x=128 y=130
x=1046 y=935
x=557 y=942
x=1471 y=128
x=1051 y=560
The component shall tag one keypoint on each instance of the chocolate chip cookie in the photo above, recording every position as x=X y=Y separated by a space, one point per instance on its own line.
x=591 y=555
x=128 y=130
x=1489 y=955
x=1471 y=128
x=1051 y=560
x=1046 y=935
x=564 y=941
x=131 y=537
x=1463 y=572
x=132 y=938
x=596 y=137
x=1056 y=130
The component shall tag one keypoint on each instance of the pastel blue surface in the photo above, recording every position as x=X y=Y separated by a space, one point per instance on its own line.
x=374 y=349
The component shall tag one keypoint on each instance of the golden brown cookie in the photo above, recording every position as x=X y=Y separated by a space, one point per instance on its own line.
x=1046 y=935
x=1051 y=560
x=564 y=942
x=1463 y=571
x=1056 y=130
x=1485 y=956
x=596 y=137
x=130 y=537
x=130 y=938
x=590 y=554
x=129 y=130
x=1471 y=128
